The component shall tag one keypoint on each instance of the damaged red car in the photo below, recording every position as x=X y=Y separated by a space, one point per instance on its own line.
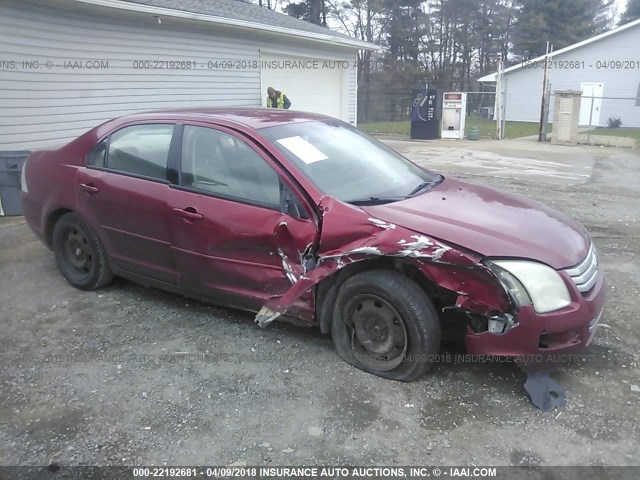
x=303 y=217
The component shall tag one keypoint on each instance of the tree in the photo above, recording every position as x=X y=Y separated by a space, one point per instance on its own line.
x=495 y=27
x=365 y=20
x=463 y=38
x=559 y=22
x=631 y=13
x=297 y=10
x=313 y=11
x=317 y=13
x=405 y=20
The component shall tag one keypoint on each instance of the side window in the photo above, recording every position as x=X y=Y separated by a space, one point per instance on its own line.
x=98 y=155
x=141 y=150
x=219 y=163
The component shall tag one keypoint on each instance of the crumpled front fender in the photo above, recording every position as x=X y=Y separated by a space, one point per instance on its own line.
x=350 y=235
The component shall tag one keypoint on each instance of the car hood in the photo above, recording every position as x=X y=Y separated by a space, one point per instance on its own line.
x=491 y=223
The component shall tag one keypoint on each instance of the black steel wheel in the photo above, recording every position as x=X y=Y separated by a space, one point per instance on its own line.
x=384 y=324
x=377 y=332
x=79 y=253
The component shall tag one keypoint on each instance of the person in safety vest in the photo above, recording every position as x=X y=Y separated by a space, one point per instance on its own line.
x=277 y=99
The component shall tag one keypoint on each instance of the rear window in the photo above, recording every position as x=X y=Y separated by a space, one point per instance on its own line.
x=141 y=150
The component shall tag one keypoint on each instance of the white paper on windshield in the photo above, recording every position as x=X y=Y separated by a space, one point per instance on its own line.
x=302 y=149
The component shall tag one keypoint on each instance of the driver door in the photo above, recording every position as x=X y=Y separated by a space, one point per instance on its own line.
x=230 y=236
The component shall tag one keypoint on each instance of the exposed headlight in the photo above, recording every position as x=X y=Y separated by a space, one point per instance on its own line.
x=512 y=285
x=532 y=283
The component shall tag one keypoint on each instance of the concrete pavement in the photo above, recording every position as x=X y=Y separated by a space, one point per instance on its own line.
x=522 y=158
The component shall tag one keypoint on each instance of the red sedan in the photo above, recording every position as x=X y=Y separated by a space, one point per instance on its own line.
x=304 y=217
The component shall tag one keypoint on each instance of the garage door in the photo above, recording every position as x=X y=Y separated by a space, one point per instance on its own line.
x=311 y=84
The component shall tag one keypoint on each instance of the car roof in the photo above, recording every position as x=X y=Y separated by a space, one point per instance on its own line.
x=252 y=117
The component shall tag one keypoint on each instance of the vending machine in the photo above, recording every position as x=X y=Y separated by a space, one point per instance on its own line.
x=454 y=112
x=425 y=114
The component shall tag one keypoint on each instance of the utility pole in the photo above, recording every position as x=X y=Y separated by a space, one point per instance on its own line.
x=545 y=92
x=499 y=133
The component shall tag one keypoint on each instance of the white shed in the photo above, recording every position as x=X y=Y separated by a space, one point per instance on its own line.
x=606 y=68
x=68 y=65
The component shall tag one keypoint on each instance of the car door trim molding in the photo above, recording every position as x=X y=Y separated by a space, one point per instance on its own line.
x=143 y=237
x=229 y=198
x=127 y=174
x=226 y=259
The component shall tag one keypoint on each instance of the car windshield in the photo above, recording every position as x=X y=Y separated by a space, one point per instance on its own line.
x=348 y=164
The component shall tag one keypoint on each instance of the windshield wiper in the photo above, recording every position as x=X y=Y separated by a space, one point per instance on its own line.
x=375 y=200
x=382 y=200
x=422 y=186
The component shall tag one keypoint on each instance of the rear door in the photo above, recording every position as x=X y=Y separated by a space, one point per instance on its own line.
x=238 y=229
x=123 y=192
x=591 y=103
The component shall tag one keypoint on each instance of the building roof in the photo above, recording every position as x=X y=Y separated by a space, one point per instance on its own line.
x=492 y=77
x=237 y=13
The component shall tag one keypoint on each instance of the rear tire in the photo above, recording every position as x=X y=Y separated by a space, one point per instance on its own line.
x=79 y=253
x=384 y=324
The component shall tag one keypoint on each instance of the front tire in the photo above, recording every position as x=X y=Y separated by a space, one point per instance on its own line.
x=384 y=324
x=79 y=253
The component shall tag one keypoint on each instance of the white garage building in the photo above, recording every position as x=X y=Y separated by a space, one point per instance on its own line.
x=68 y=65
x=605 y=68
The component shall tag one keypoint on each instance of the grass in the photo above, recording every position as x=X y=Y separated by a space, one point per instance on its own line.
x=617 y=132
x=402 y=127
x=519 y=129
x=487 y=128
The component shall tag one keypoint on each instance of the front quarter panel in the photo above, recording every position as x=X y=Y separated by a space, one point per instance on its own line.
x=350 y=235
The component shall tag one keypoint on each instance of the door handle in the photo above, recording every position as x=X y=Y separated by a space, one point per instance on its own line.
x=188 y=213
x=90 y=188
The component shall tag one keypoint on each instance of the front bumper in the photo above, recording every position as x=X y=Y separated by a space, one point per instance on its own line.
x=536 y=336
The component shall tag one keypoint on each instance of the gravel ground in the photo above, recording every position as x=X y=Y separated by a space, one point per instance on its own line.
x=128 y=375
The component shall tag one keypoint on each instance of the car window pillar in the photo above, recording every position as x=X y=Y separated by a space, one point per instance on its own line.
x=175 y=155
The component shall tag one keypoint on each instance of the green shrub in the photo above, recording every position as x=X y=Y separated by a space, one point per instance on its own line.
x=614 y=122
